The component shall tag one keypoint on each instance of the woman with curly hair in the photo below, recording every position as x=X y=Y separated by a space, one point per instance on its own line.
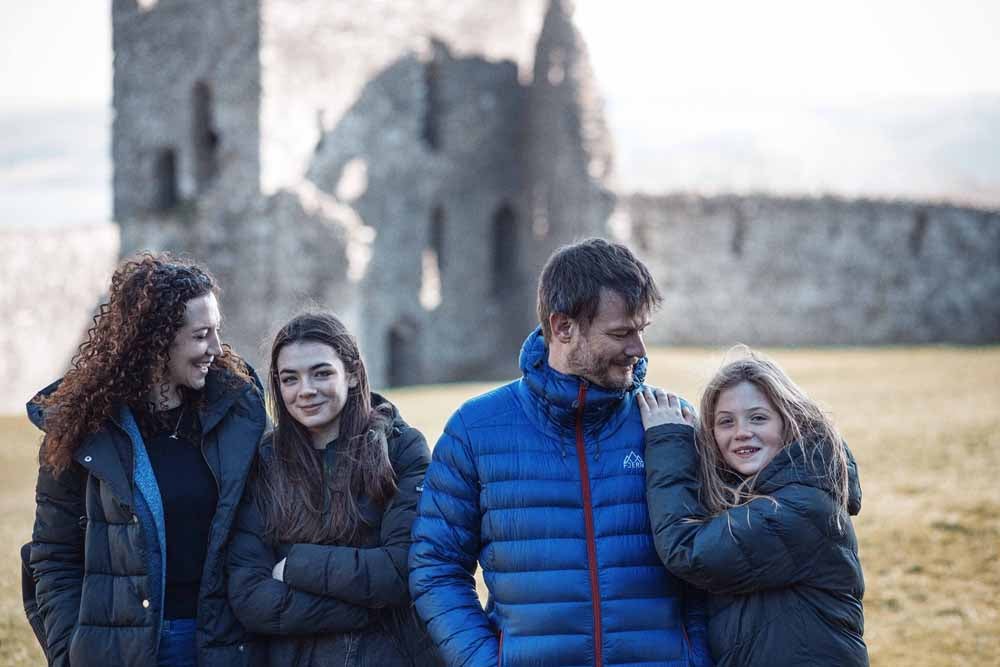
x=318 y=563
x=755 y=510
x=148 y=442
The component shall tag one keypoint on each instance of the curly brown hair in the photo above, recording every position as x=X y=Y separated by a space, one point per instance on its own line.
x=125 y=349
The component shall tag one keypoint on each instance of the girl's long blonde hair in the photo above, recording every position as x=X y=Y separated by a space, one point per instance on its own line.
x=804 y=426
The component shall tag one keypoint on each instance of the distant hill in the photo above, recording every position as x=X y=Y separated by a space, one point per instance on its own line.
x=55 y=167
x=907 y=148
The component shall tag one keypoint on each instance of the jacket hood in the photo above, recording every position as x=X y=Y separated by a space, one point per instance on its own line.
x=555 y=395
x=793 y=466
x=36 y=413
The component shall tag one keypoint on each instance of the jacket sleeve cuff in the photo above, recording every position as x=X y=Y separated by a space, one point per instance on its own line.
x=671 y=432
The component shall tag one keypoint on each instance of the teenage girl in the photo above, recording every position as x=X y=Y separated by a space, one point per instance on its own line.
x=318 y=564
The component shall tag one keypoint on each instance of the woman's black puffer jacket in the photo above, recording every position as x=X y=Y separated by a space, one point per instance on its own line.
x=785 y=582
x=337 y=605
x=95 y=551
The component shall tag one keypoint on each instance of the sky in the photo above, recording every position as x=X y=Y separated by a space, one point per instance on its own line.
x=58 y=52
x=789 y=96
x=798 y=49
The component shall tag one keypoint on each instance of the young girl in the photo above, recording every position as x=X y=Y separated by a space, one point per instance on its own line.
x=318 y=564
x=755 y=511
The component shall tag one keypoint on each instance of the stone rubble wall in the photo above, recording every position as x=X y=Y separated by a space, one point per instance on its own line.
x=768 y=270
x=51 y=281
x=758 y=270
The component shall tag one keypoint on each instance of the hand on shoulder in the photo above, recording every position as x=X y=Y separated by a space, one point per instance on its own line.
x=658 y=407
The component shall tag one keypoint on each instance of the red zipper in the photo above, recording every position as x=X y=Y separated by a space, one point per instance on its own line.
x=588 y=519
x=500 y=650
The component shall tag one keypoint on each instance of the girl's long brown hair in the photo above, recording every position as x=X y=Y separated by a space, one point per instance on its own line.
x=289 y=484
x=805 y=425
x=125 y=350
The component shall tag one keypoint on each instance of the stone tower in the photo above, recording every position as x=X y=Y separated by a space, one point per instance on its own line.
x=407 y=164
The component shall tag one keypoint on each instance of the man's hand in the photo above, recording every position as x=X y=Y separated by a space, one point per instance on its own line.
x=659 y=407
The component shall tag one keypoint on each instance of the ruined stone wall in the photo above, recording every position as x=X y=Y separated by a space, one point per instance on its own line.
x=567 y=148
x=186 y=97
x=768 y=270
x=318 y=55
x=51 y=280
x=428 y=159
x=279 y=254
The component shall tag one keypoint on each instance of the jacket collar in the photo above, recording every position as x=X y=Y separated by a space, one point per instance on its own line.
x=556 y=395
x=100 y=454
x=793 y=466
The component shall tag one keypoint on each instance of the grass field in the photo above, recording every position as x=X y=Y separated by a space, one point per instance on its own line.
x=924 y=424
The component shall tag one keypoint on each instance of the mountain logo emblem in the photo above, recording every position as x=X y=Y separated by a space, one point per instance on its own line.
x=633 y=462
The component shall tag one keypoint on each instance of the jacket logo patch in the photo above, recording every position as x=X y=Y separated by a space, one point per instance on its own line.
x=633 y=461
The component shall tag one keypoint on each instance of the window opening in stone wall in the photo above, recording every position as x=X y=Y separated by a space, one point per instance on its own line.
x=432 y=105
x=504 y=249
x=739 y=232
x=919 y=231
x=557 y=67
x=540 y=213
x=432 y=262
x=165 y=180
x=403 y=355
x=204 y=135
x=437 y=235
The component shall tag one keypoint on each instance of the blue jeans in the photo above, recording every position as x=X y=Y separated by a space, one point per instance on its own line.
x=177 y=645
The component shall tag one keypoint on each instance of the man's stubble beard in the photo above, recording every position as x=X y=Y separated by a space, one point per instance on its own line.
x=582 y=362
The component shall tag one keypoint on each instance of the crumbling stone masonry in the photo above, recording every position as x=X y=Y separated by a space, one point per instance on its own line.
x=409 y=165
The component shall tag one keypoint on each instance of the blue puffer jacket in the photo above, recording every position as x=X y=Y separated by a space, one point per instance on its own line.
x=542 y=481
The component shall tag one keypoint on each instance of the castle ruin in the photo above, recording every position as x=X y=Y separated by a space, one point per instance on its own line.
x=410 y=165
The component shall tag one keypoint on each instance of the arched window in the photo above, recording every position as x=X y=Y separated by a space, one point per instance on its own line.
x=432 y=262
x=739 y=232
x=918 y=231
x=432 y=106
x=165 y=179
x=204 y=136
x=504 y=248
x=436 y=235
x=403 y=355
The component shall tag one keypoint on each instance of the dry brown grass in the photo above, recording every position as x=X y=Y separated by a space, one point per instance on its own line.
x=924 y=424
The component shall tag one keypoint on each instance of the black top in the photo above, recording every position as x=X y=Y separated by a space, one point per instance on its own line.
x=189 y=494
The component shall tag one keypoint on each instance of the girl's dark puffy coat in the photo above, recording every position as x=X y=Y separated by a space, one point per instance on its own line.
x=337 y=605
x=786 y=583
x=95 y=549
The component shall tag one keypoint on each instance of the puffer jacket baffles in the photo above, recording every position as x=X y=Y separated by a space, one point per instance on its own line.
x=542 y=482
x=98 y=544
x=784 y=582
x=338 y=604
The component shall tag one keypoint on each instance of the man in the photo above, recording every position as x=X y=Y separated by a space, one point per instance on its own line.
x=542 y=482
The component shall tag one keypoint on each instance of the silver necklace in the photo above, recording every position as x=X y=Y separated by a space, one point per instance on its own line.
x=173 y=436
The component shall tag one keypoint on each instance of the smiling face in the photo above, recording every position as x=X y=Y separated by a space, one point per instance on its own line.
x=195 y=346
x=605 y=351
x=314 y=388
x=748 y=429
